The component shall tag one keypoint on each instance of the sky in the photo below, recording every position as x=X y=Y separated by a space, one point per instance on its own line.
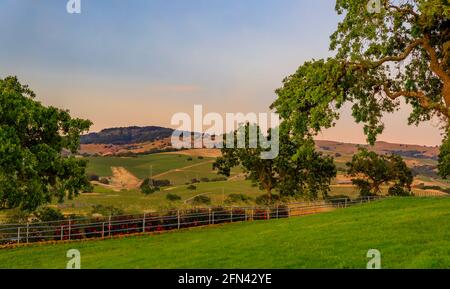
x=138 y=62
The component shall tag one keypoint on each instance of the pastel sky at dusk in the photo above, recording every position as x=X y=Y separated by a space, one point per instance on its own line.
x=137 y=62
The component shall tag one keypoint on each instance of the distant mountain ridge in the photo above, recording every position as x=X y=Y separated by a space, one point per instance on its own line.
x=127 y=135
x=141 y=139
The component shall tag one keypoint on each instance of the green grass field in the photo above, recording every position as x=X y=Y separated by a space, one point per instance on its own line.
x=133 y=201
x=409 y=233
x=141 y=166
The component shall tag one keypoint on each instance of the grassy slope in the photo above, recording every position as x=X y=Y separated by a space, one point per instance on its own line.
x=140 y=166
x=410 y=233
x=135 y=202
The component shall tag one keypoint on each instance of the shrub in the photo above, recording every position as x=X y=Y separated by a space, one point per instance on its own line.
x=173 y=197
x=200 y=157
x=49 y=214
x=106 y=210
x=148 y=187
x=194 y=181
x=204 y=180
x=201 y=200
x=104 y=181
x=399 y=191
x=189 y=159
x=265 y=201
x=161 y=183
x=237 y=198
x=191 y=187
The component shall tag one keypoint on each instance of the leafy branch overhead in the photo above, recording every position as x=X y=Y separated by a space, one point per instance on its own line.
x=400 y=53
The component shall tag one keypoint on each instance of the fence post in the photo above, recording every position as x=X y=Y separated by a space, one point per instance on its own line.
x=62 y=232
x=143 y=224
x=209 y=217
x=253 y=214
x=231 y=215
x=268 y=214
x=246 y=214
x=18 y=235
x=70 y=227
x=345 y=203
x=178 y=217
x=28 y=229
x=109 y=226
x=103 y=230
x=213 y=218
x=277 y=212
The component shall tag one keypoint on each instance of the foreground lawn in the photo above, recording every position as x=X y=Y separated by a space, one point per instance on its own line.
x=409 y=233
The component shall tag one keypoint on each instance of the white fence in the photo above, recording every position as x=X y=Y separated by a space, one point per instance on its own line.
x=106 y=227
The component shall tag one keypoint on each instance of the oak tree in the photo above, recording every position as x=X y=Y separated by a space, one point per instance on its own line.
x=37 y=147
x=400 y=51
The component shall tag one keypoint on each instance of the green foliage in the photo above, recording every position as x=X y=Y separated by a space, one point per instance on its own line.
x=173 y=197
x=237 y=198
x=201 y=200
x=264 y=200
x=106 y=210
x=401 y=52
x=444 y=157
x=149 y=187
x=370 y=170
x=48 y=214
x=399 y=191
x=191 y=187
x=297 y=170
x=36 y=143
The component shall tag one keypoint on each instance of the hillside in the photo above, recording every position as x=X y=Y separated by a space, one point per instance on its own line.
x=409 y=233
x=127 y=135
x=113 y=141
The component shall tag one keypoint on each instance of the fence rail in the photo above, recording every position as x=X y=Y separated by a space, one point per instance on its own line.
x=106 y=227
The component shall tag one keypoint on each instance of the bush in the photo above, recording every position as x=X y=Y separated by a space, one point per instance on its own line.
x=194 y=181
x=237 y=198
x=201 y=200
x=173 y=197
x=399 y=191
x=161 y=183
x=191 y=187
x=189 y=159
x=204 y=180
x=148 y=187
x=49 y=214
x=364 y=187
x=106 y=210
x=200 y=157
x=265 y=201
x=104 y=181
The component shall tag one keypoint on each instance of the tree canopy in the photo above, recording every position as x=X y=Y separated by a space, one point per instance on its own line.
x=305 y=174
x=36 y=143
x=370 y=171
x=399 y=52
